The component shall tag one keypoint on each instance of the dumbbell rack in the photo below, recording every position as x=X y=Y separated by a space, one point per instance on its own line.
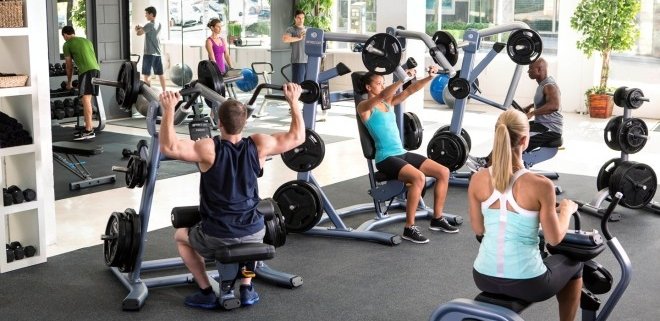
x=70 y=99
x=628 y=99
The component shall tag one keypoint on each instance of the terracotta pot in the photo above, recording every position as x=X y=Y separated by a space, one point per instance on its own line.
x=600 y=106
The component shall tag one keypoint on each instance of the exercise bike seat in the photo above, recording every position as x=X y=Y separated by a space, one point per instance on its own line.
x=513 y=304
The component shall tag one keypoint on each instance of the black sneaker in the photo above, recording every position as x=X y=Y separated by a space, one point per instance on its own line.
x=412 y=234
x=441 y=224
x=248 y=295
x=202 y=301
x=84 y=134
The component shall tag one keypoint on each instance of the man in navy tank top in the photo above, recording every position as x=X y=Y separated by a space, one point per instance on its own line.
x=229 y=193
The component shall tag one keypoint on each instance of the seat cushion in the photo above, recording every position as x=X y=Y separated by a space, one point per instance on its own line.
x=513 y=304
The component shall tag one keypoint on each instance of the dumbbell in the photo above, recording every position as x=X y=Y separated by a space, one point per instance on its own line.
x=69 y=110
x=7 y=200
x=19 y=251
x=51 y=70
x=10 y=253
x=16 y=194
x=30 y=251
x=58 y=69
x=126 y=153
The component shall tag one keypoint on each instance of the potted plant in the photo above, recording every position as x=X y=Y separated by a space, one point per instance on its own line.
x=234 y=30
x=606 y=26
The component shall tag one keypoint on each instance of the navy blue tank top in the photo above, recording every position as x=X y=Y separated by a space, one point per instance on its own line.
x=228 y=191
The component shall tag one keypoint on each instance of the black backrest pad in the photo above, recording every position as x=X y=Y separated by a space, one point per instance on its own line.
x=368 y=145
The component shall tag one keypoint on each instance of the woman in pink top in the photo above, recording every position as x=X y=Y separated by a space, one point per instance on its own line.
x=216 y=46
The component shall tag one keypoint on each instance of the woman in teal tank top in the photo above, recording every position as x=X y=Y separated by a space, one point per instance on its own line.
x=377 y=114
x=506 y=205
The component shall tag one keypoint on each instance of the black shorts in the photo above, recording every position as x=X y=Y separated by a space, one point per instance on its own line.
x=85 y=86
x=561 y=269
x=540 y=136
x=392 y=165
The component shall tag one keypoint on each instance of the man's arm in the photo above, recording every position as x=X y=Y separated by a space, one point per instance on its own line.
x=69 y=71
x=419 y=84
x=139 y=30
x=288 y=37
x=551 y=93
x=281 y=142
x=200 y=151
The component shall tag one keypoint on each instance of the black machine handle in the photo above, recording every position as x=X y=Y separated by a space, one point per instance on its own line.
x=267 y=86
x=259 y=63
x=608 y=212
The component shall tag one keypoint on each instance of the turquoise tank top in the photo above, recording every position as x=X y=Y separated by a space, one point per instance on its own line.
x=509 y=248
x=382 y=128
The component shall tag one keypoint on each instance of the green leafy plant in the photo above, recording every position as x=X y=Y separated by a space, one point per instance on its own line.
x=234 y=28
x=606 y=26
x=317 y=13
x=79 y=14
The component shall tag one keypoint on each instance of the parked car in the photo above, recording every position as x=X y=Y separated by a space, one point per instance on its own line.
x=264 y=14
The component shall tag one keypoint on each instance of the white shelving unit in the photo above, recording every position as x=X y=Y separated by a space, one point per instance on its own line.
x=27 y=166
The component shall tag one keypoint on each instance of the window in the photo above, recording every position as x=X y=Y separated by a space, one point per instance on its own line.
x=65 y=9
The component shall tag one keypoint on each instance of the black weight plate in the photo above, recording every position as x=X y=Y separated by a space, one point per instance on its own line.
x=209 y=76
x=464 y=134
x=313 y=91
x=124 y=265
x=605 y=172
x=611 y=133
x=446 y=43
x=633 y=96
x=524 y=46
x=135 y=240
x=458 y=87
x=130 y=79
x=111 y=240
x=413 y=132
x=632 y=135
x=308 y=155
x=301 y=205
x=620 y=96
x=636 y=181
x=391 y=51
x=448 y=149
x=130 y=177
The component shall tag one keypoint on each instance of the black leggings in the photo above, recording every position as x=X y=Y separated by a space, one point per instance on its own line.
x=541 y=136
x=560 y=271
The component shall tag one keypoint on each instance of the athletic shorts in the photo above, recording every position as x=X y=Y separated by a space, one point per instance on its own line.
x=392 y=165
x=85 y=86
x=151 y=61
x=206 y=245
x=561 y=269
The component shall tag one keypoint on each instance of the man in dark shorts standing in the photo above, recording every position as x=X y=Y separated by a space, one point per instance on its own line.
x=151 y=59
x=82 y=52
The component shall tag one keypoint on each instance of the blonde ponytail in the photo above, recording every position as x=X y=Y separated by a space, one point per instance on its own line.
x=502 y=165
x=510 y=128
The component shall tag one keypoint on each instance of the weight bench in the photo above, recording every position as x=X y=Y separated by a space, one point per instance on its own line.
x=233 y=261
x=66 y=154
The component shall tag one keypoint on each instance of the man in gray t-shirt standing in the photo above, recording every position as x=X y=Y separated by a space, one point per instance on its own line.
x=295 y=35
x=151 y=57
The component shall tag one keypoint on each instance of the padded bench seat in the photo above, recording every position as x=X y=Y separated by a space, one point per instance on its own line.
x=76 y=148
